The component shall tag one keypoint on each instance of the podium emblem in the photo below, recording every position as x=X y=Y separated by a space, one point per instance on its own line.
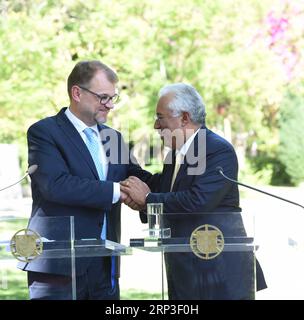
x=207 y=241
x=26 y=245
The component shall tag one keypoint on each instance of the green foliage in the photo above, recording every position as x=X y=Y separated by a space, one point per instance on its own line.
x=13 y=284
x=269 y=170
x=133 y=294
x=291 y=147
x=219 y=46
x=14 y=287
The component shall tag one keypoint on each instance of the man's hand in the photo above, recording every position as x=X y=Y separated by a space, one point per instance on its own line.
x=123 y=196
x=132 y=204
x=126 y=199
x=136 y=190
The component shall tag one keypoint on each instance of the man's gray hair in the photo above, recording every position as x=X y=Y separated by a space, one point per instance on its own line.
x=186 y=99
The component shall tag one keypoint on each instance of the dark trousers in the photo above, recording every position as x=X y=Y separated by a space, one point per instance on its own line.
x=94 y=284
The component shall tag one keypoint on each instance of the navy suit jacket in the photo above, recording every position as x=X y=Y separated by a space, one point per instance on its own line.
x=66 y=183
x=207 y=192
x=204 y=190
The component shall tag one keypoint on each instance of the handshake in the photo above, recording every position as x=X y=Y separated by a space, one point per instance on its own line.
x=133 y=193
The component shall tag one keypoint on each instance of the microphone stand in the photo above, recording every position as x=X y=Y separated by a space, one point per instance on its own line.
x=30 y=170
x=220 y=171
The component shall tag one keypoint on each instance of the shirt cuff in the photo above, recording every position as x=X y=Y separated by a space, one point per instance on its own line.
x=116 y=192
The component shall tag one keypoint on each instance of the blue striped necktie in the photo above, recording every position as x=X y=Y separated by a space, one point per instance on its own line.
x=93 y=146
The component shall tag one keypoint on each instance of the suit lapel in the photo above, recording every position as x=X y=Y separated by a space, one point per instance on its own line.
x=192 y=151
x=73 y=135
x=167 y=173
x=180 y=174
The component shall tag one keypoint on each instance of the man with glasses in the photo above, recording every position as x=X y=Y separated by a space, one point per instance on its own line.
x=189 y=185
x=80 y=164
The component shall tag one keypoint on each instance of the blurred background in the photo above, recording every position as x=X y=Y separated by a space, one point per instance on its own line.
x=245 y=57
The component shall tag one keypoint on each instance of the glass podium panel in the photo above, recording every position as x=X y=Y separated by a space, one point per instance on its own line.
x=45 y=245
x=141 y=275
x=13 y=282
x=141 y=272
x=194 y=256
x=34 y=245
x=207 y=256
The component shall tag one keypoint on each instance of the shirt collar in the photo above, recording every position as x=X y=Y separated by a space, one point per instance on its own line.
x=183 y=150
x=78 y=124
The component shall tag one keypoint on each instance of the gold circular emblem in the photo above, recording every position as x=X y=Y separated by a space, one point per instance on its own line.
x=207 y=241
x=26 y=245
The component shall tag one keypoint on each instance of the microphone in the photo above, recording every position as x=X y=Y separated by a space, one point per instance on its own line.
x=29 y=171
x=221 y=172
x=32 y=169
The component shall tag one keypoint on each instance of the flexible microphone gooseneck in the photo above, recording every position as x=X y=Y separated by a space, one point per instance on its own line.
x=221 y=172
x=29 y=171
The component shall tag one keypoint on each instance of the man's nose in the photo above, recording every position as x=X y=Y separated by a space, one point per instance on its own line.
x=109 y=104
x=156 y=124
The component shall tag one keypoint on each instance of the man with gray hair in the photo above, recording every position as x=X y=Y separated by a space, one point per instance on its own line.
x=189 y=184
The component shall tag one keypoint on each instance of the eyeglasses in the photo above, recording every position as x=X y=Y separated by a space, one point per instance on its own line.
x=103 y=98
x=160 y=118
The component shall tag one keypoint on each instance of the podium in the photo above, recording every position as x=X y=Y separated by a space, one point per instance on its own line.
x=208 y=256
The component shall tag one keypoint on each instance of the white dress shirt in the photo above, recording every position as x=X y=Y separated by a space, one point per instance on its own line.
x=180 y=154
x=80 y=126
x=183 y=150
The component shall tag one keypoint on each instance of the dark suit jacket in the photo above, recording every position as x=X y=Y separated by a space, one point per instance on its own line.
x=229 y=275
x=66 y=183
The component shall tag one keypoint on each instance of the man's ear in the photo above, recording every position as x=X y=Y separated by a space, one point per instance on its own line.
x=75 y=93
x=185 y=118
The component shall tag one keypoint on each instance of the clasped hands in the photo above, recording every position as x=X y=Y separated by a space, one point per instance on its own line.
x=133 y=193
